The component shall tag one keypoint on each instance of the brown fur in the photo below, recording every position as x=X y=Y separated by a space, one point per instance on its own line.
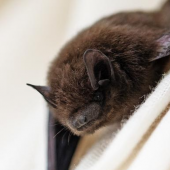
x=129 y=41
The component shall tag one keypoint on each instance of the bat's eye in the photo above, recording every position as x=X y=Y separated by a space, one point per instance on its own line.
x=98 y=97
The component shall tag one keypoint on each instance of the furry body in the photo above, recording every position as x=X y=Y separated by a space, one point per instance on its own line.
x=129 y=41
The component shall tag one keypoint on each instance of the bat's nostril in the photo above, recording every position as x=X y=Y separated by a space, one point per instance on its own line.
x=83 y=119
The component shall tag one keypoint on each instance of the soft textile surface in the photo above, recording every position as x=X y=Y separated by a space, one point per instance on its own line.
x=142 y=143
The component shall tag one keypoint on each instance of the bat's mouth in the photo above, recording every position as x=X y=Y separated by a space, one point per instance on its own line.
x=86 y=126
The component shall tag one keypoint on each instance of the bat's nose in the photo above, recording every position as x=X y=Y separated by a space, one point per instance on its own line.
x=86 y=115
x=80 y=121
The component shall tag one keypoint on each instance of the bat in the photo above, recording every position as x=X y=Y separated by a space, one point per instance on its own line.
x=103 y=72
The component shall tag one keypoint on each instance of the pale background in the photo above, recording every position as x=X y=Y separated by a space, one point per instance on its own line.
x=31 y=34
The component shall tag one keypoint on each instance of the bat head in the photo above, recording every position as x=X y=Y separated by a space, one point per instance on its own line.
x=101 y=74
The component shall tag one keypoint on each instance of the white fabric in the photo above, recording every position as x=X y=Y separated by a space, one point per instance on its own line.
x=155 y=155
x=152 y=155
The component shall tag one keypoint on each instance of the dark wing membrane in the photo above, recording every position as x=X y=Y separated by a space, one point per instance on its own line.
x=61 y=147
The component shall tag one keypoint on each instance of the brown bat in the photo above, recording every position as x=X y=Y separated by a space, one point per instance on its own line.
x=102 y=73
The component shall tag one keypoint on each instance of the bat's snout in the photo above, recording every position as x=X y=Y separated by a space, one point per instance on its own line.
x=80 y=121
x=86 y=116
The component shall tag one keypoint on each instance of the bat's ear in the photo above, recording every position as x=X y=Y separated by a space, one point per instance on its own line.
x=45 y=91
x=163 y=47
x=99 y=68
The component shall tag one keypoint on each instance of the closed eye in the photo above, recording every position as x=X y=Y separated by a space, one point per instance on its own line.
x=98 y=97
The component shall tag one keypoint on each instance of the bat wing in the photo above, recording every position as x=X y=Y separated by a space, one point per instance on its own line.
x=61 y=147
